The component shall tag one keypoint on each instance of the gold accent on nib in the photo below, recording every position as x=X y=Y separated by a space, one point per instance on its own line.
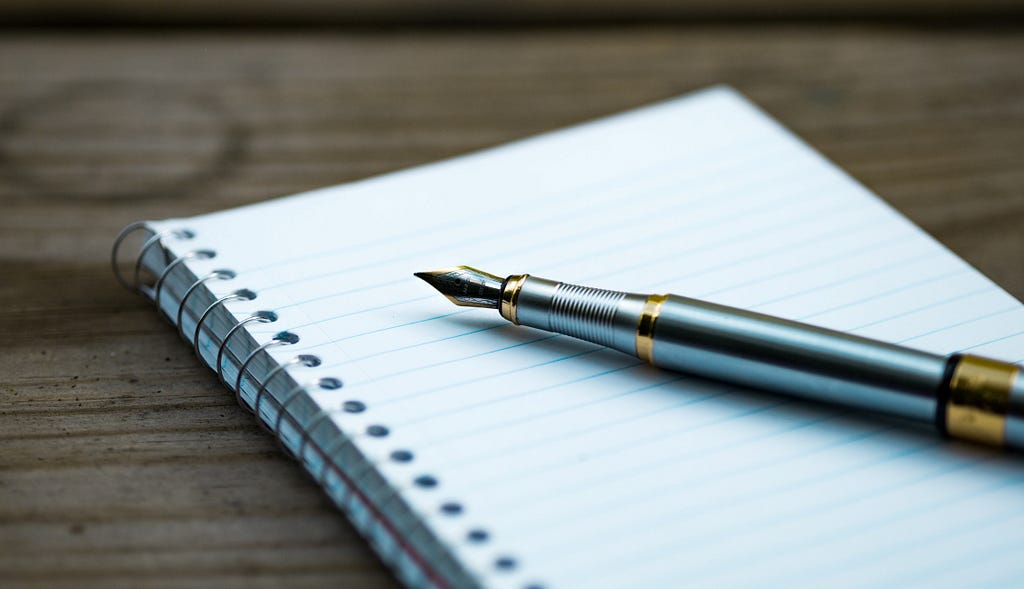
x=645 y=327
x=979 y=399
x=466 y=286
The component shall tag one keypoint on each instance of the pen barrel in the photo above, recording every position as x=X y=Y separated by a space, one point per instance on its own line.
x=784 y=356
x=965 y=396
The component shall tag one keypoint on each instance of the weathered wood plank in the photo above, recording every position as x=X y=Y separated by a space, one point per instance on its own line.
x=391 y=12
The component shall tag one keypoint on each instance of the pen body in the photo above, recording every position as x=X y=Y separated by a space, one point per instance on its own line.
x=784 y=356
x=965 y=396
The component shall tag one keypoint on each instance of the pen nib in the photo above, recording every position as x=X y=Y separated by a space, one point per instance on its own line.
x=465 y=286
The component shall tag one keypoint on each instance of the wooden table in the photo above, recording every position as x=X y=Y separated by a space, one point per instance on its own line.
x=123 y=462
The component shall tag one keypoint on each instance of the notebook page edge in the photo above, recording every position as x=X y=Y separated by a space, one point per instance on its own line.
x=421 y=560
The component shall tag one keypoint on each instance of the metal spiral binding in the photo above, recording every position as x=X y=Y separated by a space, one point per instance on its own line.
x=262 y=389
x=270 y=376
x=306 y=360
x=242 y=294
x=136 y=283
x=258 y=316
x=218 y=274
x=281 y=339
x=156 y=239
x=348 y=490
x=137 y=271
x=155 y=291
x=328 y=384
x=117 y=247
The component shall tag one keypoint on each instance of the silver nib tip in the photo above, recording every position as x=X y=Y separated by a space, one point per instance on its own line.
x=465 y=286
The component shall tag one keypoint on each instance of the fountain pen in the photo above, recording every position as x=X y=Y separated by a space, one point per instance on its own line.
x=965 y=396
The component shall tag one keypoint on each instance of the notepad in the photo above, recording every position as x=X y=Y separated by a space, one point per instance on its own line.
x=474 y=453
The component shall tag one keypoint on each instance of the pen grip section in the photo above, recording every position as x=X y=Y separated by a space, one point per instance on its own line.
x=605 y=317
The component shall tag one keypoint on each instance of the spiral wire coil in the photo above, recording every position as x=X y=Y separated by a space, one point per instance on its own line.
x=155 y=242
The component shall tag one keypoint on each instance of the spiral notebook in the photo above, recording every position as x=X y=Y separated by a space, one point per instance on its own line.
x=474 y=453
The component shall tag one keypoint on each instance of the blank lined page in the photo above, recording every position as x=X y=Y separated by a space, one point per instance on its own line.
x=584 y=467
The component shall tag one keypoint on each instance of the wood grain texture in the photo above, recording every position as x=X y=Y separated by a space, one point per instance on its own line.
x=492 y=12
x=124 y=463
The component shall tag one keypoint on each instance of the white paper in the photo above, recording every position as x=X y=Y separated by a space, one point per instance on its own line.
x=586 y=467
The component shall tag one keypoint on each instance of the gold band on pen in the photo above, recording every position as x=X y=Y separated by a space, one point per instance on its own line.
x=645 y=327
x=979 y=399
x=510 y=296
